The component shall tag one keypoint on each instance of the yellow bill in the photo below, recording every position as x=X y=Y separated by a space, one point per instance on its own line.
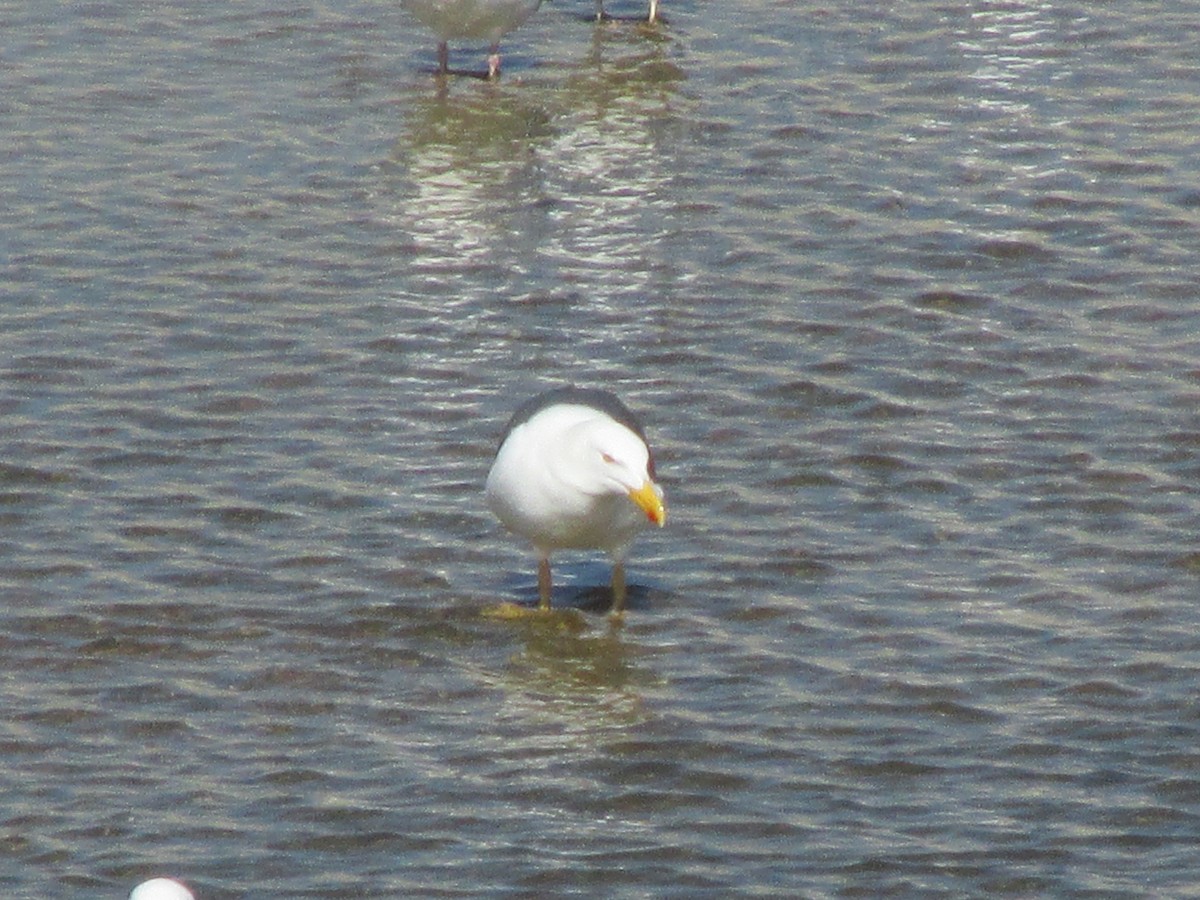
x=648 y=499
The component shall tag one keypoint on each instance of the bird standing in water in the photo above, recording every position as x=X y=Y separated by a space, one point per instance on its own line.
x=574 y=471
x=471 y=20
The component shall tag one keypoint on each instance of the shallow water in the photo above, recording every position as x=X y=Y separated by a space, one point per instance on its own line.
x=906 y=297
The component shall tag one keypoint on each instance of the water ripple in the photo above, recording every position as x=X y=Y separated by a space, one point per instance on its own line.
x=903 y=295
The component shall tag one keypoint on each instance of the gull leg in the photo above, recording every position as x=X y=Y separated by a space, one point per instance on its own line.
x=494 y=61
x=443 y=58
x=653 y=11
x=544 y=582
x=599 y=10
x=618 y=590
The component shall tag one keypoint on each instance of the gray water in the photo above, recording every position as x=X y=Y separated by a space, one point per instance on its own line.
x=906 y=295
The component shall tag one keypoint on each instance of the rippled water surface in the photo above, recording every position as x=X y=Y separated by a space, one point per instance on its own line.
x=907 y=296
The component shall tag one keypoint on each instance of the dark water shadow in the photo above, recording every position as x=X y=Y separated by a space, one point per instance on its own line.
x=593 y=598
x=482 y=75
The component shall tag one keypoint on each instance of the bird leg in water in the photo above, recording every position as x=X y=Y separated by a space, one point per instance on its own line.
x=618 y=590
x=494 y=61
x=443 y=58
x=544 y=583
x=652 y=17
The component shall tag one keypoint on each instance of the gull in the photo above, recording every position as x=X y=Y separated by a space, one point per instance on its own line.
x=574 y=471
x=471 y=20
x=161 y=889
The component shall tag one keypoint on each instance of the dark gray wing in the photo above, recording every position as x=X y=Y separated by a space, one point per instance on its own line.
x=604 y=401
